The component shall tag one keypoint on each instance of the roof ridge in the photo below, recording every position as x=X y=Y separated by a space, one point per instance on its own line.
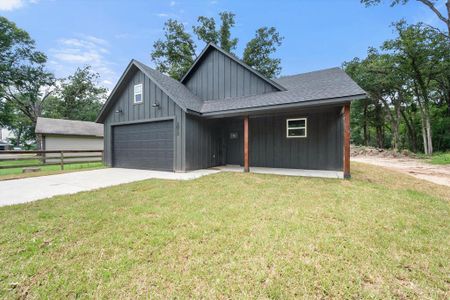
x=232 y=57
x=67 y=120
x=309 y=72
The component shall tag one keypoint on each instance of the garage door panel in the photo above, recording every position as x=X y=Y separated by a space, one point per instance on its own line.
x=147 y=146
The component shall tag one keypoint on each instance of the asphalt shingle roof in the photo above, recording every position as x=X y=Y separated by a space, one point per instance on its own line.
x=68 y=127
x=302 y=89
x=319 y=85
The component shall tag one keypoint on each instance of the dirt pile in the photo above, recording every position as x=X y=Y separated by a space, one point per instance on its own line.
x=356 y=151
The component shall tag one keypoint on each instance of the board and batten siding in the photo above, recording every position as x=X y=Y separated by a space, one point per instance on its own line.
x=220 y=77
x=322 y=149
x=145 y=111
x=204 y=143
x=208 y=142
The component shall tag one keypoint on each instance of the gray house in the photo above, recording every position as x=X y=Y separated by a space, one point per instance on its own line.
x=224 y=112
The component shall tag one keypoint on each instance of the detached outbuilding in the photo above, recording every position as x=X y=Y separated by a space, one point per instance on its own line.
x=58 y=134
x=223 y=112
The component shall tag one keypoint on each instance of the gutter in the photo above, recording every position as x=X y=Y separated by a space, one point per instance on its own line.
x=302 y=104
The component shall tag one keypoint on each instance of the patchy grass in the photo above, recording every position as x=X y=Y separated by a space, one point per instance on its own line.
x=233 y=235
x=15 y=173
x=437 y=158
x=442 y=158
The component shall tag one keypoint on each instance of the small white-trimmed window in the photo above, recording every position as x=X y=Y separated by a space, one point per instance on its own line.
x=138 y=93
x=296 y=128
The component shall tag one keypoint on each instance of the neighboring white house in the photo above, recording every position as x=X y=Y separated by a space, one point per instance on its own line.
x=60 y=134
x=4 y=143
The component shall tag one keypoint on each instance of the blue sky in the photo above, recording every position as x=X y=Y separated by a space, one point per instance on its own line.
x=108 y=33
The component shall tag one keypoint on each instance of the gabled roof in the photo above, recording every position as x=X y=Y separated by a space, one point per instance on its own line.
x=326 y=86
x=308 y=89
x=174 y=89
x=211 y=47
x=68 y=127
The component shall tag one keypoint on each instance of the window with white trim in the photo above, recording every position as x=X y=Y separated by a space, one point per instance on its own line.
x=296 y=128
x=138 y=93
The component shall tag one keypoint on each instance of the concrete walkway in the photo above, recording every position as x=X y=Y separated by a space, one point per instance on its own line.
x=30 y=189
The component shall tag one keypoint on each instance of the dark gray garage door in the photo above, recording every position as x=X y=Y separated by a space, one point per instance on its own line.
x=146 y=146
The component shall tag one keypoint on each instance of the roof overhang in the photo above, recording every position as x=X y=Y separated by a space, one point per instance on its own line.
x=280 y=107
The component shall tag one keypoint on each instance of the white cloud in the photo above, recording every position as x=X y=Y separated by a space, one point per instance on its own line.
x=80 y=51
x=172 y=3
x=213 y=2
x=162 y=15
x=11 y=4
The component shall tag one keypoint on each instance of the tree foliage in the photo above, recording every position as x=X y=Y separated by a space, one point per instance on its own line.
x=78 y=98
x=24 y=82
x=175 y=53
x=430 y=4
x=258 y=52
x=206 y=31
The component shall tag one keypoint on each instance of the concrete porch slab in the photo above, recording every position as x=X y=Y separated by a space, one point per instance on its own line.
x=285 y=172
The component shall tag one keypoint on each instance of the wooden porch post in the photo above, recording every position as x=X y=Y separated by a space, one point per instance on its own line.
x=347 y=141
x=246 y=165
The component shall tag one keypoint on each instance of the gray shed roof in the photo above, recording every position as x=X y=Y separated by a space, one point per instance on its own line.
x=68 y=127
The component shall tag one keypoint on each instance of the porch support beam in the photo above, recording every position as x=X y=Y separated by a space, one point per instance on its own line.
x=246 y=161
x=346 y=109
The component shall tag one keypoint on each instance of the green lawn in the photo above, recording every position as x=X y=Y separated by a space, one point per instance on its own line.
x=233 y=235
x=14 y=173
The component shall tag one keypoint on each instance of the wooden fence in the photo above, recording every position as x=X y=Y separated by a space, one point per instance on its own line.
x=48 y=158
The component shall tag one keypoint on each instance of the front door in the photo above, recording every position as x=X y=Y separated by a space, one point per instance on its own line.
x=234 y=140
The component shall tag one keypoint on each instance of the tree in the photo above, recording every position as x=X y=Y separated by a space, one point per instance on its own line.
x=258 y=51
x=23 y=79
x=409 y=76
x=20 y=126
x=226 y=42
x=17 y=52
x=414 y=47
x=174 y=54
x=78 y=98
x=206 y=31
x=431 y=4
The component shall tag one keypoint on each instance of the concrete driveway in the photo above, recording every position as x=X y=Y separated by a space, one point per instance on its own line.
x=30 y=189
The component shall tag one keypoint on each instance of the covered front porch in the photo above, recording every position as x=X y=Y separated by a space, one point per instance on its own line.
x=313 y=142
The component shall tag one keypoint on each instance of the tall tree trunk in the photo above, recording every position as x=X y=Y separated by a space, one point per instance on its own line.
x=426 y=129
x=421 y=91
x=429 y=135
x=394 y=118
x=366 y=138
x=424 y=137
x=411 y=131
